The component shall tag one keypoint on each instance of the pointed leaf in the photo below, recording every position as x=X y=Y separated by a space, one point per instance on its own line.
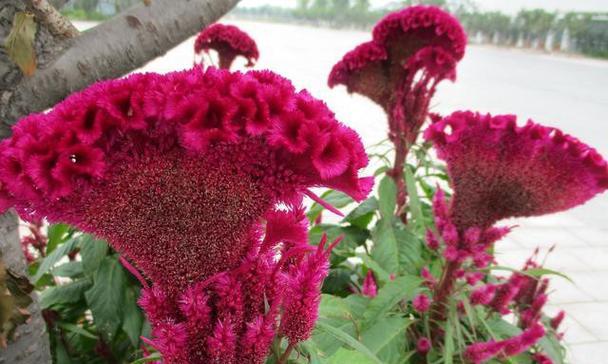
x=106 y=297
x=19 y=43
x=348 y=340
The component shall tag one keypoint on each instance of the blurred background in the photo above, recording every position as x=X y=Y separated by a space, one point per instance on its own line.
x=541 y=59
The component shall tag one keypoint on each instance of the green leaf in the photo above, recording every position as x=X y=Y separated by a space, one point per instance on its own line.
x=338 y=282
x=381 y=274
x=386 y=338
x=106 y=297
x=334 y=307
x=334 y=198
x=534 y=273
x=448 y=343
x=69 y=269
x=412 y=192
x=19 y=43
x=52 y=259
x=353 y=238
x=395 y=248
x=93 y=252
x=385 y=251
x=402 y=288
x=133 y=319
x=409 y=248
x=56 y=233
x=313 y=352
x=149 y=358
x=343 y=356
x=66 y=293
x=357 y=305
x=76 y=329
x=362 y=214
x=553 y=348
x=348 y=340
x=387 y=197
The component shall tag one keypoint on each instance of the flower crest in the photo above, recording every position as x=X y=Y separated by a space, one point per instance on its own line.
x=229 y=41
x=197 y=179
x=501 y=170
x=426 y=34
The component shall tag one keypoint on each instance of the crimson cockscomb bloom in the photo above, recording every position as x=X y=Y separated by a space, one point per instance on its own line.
x=421 y=303
x=500 y=170
x=423 y=345
x=418 y=38
x=189 y=175
x=369 y=287
x=412 y=50
x=229 y=42
x=482 y=352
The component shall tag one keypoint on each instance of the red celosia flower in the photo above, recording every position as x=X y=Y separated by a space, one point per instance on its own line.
x=479 y=353
x=229 y=41
x=421 y=303
x=431 y=240
x=557 y=320
x=423 y=345
x=183 y=174
x=404 y=42
x=483 y=295
x=303 y=293
x=369 y=287
x=540 y=358
x=412 y=50
x=499 y=170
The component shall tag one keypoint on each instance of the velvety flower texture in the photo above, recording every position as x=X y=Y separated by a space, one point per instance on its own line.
x=197 y=179
x=500 y=170
x=229 y=42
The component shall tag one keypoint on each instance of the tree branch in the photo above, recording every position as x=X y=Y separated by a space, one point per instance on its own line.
x=58 y=4
x=110 y=50
x=57 y=23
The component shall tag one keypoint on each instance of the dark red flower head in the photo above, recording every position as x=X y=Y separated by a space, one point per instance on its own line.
x=379 y=67
x=197 y=178
x=229 y=42
x=500 y=170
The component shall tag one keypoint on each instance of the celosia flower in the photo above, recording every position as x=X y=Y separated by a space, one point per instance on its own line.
x=412 y=50
x=505 y=293
x=483 y=295
x=557 y=320
x=229 y=41
x=369 y=287
x=479 y=353
x=423 y=345
x=418 y=38
x=429 y=279
x=500 y=170
x=540 y=358
x=421 y=303
x=303 y=293
x=431 y=240
x=184 y=175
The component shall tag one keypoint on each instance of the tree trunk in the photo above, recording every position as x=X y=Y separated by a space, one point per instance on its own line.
x=110 y=50
x=30 y=342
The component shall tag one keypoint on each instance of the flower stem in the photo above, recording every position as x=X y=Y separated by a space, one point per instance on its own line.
x=286 y=354
x=442 y=294
x=401 y=151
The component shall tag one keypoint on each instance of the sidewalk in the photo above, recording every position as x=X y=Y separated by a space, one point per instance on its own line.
x=581 y=253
